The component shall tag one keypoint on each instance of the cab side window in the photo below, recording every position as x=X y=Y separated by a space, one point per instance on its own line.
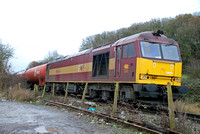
x=129 y=50
x=125 y=51
x=118 y=53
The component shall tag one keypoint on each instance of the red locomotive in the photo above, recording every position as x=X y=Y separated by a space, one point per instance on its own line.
x=143 y=64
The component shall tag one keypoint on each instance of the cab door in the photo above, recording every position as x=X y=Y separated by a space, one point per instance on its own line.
x=118 y=62
x=128 y=62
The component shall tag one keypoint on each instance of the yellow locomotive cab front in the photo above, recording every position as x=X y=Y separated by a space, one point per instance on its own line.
x=159 y=64
x=158 y=72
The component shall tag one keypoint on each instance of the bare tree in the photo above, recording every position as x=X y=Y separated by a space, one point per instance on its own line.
x=6 y=52
x=51 y=56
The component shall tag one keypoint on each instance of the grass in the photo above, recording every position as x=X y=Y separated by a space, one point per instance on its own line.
x=20 y=94
x=181 y=123
x=188 y=107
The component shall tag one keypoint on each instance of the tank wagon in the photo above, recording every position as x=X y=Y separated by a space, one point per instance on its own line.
x=143 y=64
x=35 y=75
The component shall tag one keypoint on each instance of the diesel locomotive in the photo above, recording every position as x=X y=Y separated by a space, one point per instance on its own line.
x=142 y=64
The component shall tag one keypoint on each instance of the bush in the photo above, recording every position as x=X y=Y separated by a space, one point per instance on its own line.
x=6 y=52
x=193 y=68
x=194 y=89
x=20 y=94
x=187 y=107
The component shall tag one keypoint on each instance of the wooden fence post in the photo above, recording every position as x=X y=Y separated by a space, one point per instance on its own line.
x=66 y=92
x=19 y=85
x=115 y=99
x=33 y=89
x=43 y=91
x=36 y=90
x=170 y=107
x=53 y=90
x=84 y=92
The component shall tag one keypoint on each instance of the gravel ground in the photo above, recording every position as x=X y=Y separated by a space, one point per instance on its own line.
x=21 y=118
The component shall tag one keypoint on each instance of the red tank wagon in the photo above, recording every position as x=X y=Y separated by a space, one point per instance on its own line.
x=36 y=75
x=143 y=64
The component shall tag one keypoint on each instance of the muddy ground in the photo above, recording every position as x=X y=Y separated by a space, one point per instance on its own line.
x=21 y=118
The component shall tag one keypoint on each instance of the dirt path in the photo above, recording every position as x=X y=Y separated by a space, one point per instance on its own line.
x=20 y=118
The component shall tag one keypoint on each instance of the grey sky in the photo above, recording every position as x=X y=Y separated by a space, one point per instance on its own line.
x=35 y=27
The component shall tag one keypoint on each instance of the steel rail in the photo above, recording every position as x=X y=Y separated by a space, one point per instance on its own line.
x=191 y=116
x=194 y=117
x=143 y=126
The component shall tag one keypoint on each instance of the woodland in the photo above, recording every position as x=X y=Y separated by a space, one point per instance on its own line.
x=184 y=28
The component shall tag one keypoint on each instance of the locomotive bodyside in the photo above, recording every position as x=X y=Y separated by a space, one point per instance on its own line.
x=79 y=68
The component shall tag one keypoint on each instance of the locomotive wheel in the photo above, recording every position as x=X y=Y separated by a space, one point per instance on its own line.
x=105 y=95
x=48 y=89
x=93 y=94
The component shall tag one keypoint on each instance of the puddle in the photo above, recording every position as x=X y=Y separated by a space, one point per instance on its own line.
x=41 y=129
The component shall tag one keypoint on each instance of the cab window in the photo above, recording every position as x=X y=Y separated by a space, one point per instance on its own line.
x=118 y=53
x=129 y=50
x=150 y=50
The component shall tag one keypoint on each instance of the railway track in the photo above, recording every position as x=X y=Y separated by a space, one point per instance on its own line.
x=142 y=126
x=155 y=110
x=191 y=116
x=194 y=117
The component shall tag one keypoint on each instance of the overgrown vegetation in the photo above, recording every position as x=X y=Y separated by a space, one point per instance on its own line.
x=20 y=94
x=187 y=106
x=6 y=52
x=193 y=85
x=185 y=29
x=182 y=124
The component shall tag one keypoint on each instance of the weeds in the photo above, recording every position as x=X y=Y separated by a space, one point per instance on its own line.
x=20 y=94
x=194 y=89
x=182 y=124
x=188 y=107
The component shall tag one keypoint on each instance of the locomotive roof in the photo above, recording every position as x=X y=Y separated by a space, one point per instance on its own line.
x=73 y=55
x=143 y=35
x=79 y=53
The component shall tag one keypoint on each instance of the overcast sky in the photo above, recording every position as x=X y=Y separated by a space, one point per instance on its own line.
x=35 y=27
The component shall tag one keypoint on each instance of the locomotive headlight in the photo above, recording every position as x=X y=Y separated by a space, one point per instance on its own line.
x=178 y=80
x=144 y=77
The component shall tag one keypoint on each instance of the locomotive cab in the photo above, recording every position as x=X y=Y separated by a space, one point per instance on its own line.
x=159 y=63
x=149 y=61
